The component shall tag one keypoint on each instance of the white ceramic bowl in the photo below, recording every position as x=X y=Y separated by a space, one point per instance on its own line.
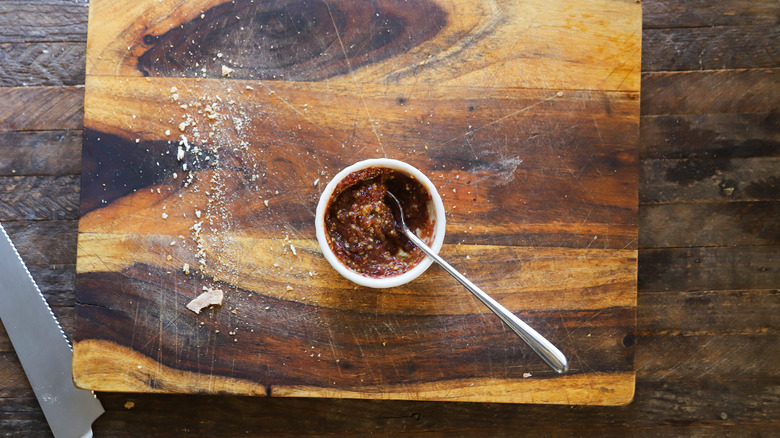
x=435 y=210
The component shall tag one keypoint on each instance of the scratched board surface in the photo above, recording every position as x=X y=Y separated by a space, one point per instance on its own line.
x=212 y=127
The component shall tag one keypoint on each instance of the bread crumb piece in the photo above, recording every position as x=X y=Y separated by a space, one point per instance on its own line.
x=289 y=287
x=165 y=215
x=265 y=202
x=212 y=297
x=526 y=375
x=186 y=268
x=292 y=248
x=226 y=70
x=168 y=257
x=129 y=405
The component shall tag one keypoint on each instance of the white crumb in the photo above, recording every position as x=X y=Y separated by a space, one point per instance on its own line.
x=212 y=297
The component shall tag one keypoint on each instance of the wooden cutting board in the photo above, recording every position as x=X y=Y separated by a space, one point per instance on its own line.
x=212 y=127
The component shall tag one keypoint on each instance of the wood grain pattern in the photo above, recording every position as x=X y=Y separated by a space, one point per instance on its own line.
x=27 y=153
x=722 y=91
x=44 y=21
x=41 y=108
x=41 y=64
x=710 y=48
x=211 y=128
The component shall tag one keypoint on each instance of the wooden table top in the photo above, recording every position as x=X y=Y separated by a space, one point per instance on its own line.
x=707 y=315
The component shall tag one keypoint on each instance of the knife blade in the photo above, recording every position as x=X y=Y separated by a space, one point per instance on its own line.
x=42 y=348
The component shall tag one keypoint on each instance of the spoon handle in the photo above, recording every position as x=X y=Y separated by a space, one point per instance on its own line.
x=546 y=350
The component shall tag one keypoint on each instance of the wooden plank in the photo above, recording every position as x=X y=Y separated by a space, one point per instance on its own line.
x=662 y=406
x=15 y=383
x=709 y=312
x=44 y=243
x=26 y=153
x=42 y=64
x=720 y=91
x=22 y=417
x=707 y=180
x=698 y=269
x=41 y=108
x=710 y=48
x=43 y=21
x=740 y=357
x=56 y=283
x=39 y=197
x=706 y=13
x=710 y=136
x=709 y=224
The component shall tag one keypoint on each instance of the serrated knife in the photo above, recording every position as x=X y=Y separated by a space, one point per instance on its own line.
x=42 y=348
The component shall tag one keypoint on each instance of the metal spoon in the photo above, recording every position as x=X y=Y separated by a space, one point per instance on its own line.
x=546 y=350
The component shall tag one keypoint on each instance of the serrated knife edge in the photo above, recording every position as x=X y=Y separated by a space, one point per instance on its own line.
x=42 y=348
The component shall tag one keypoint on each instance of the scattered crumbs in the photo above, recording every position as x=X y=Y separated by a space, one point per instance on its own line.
x=197 y=214
x=468 y=257
x=226 y=70
x=249 y=87
x=186 y=268
x=292 y=248
x=265 y=201
x=129 y=405
x=137 y=140
x=526 y=375
x=168 y=257
x=167 y=132
x=289 y=287
x=559 y=94
x=165 y=215
x=316 y=181
x=212 y=297
x=174 y=89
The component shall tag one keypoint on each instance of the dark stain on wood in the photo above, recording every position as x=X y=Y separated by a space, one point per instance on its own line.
x=113 y=167
x=297 y=40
